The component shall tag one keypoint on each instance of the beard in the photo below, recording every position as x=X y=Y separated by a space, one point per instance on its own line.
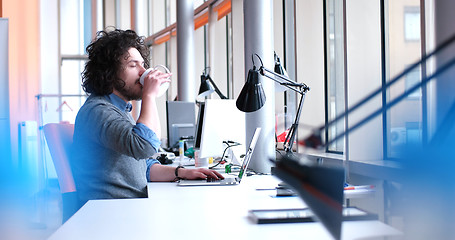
x=129 y=91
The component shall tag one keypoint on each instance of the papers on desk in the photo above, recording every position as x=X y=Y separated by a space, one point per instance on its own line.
x=350 y=191
x=359 y=191
x=186 y=161
x=359 y=187
x=304 y=215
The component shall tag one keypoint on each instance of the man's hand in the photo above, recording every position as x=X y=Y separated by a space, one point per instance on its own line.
x=149 y=111
x=153 y=81
x=199 y=173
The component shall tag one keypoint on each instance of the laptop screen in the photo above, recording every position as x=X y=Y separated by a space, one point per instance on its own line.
x=249 y=152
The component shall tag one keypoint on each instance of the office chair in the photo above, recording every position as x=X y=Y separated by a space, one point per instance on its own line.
x=59 y=137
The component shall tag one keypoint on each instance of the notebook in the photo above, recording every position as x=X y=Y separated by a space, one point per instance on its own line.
x=227 y=180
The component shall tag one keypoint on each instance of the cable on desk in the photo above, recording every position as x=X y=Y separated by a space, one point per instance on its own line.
x=224 y=152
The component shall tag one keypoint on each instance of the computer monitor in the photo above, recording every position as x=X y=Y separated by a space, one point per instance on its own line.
x=181 y=117
x=199 y=123
x=219 y=120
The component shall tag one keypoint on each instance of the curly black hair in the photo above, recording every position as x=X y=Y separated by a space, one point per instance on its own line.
x=105 y=52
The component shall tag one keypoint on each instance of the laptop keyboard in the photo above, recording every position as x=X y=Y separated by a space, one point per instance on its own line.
x=212 y=180
x=226 y=180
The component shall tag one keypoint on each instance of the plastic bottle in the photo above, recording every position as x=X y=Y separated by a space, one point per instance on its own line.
x=181 y=150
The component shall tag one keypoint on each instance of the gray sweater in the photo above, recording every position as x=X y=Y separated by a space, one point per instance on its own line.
x=108 y=159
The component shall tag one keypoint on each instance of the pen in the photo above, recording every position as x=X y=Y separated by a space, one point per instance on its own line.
x=359 y=187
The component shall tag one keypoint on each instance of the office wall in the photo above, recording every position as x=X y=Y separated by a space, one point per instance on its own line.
x=5 y=141
x=24 y=60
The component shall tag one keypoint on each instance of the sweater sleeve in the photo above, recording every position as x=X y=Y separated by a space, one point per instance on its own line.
x=150 y=162
x=146 y=133
x=115 y=129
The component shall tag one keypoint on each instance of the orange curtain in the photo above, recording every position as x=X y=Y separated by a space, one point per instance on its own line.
x=223 y=9
x=201 y=20
x=162 y=39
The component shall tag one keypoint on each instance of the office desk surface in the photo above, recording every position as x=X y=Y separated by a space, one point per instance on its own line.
x=216 y=212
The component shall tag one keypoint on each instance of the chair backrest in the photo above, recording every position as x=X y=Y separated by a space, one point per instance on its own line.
x=59 y=137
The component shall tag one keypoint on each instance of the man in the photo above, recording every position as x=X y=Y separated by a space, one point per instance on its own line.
x=111 y=150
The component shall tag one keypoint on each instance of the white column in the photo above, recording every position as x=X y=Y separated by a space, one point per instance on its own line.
x=258 y=35
x=140 y=18
x=185 y=50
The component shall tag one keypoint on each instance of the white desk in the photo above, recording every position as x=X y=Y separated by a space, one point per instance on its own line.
x=216 y=212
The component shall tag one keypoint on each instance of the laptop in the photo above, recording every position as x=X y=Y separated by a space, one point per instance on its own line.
x=227 y=180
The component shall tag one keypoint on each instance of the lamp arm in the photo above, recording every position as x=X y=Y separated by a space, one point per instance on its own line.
x=216 y=88
x=300 y=88
x=289 y=141
x=295 y=86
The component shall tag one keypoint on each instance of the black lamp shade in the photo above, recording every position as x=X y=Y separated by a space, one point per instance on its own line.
x=252 y=96
x=278 y=68
x=206 y=88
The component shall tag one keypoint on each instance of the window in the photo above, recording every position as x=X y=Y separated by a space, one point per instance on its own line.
x=72 y=48
x=309 y=63
x=404 y=120
x=335 y=73
x=412 y=23
x=62 y=96
x=411 y=79
x=353 y=72
x=361 y=58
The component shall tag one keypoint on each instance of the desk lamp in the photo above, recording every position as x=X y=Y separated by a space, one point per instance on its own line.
x=320 y=187
x=252 y=96
x=208 y=86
